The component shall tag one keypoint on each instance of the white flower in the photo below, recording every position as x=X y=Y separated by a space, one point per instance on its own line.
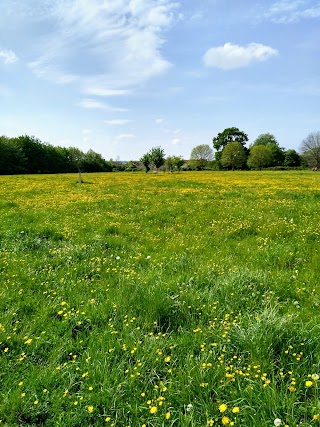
x=189 y=407
x=277 y=422
x=117 y=258
x=148 y=257
x=315 y=377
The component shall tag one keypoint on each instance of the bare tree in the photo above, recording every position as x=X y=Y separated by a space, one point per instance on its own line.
x=310 y=148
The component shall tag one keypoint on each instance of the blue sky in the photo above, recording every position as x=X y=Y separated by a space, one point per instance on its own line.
x=122 y=76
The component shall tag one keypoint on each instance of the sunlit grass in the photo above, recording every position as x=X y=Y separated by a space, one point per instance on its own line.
x=184 y=299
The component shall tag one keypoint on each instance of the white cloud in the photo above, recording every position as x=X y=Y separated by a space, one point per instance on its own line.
x=51 y=72
x=94 y=104
x=175 y=141
x=117 y=122
x=102 y=91
x=232 y=56
x=110 y=45
x=286 y=11
x=8 y=56
x=159 y=121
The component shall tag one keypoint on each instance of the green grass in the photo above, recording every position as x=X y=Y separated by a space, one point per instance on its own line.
x=152 y=300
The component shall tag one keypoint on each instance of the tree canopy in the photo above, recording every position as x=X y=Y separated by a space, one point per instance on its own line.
x=233 y=156
x=260 y=157
x=232 y=134
x=265 y=139
x=269 y=140
x=27 y=154
x=157 y=157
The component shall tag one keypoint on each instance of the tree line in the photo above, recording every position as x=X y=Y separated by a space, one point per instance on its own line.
x=231 y=153
x=28 y=155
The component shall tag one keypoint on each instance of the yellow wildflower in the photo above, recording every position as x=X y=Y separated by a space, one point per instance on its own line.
x=223 y=408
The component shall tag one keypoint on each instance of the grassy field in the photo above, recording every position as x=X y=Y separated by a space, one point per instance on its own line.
x=141 y=300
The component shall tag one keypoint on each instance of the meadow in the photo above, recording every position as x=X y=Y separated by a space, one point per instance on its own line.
x=143 y=300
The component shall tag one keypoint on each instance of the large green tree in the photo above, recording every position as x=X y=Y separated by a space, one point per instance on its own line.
x=269 y=140
x=233 y=156
x=157 y=157
x=291 y=158
x=260 y=157
x=12 y=159
x=310 y=149
x=145 y=160
x=232 y=134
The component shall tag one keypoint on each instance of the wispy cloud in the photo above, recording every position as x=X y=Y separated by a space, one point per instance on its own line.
x=115 y=43
x=94 y=104
x=232 y=56
x=117 y=122
x=103 y=91
x=287 y=11
x=8 y=56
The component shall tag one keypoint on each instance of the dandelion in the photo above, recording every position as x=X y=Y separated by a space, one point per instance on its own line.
x=225 y=421
x=153 y=410
x=168 y=415
x=210 y=422
x=90 y=409
x=308 y=383
x=20 y=383
x=36 y=402
x=277 y=422
x=316 y=417
x=315 y=377
x=223 y=408
x=108 y=419
x=236 y=410
x=167 y=359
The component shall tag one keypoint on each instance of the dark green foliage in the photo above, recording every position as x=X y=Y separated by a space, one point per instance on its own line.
x=229 y=135
x=145 y=160
x=12 y=159
x=27 y=154
x=291 y=158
